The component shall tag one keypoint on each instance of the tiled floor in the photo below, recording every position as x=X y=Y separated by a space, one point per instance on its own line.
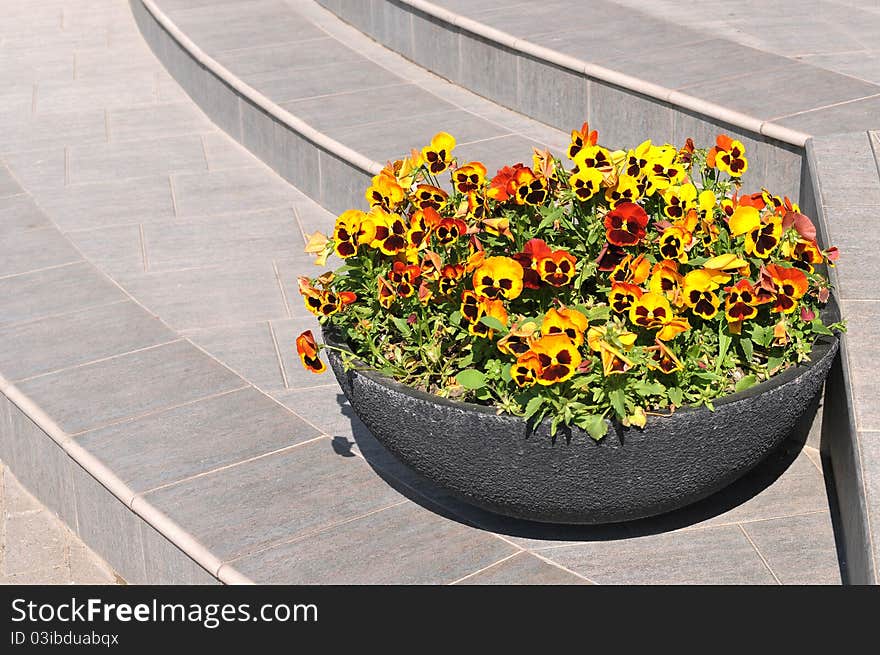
x=203 y=246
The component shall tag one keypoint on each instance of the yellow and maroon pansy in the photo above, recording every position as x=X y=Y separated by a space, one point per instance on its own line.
x=474 y=307
x=450 y=275
x=626 y=224
x=760 y=237
x=679 y=200
x=385 y=292
x=403 y=278
x=653 y=311
x=478 y=206
x=728 y=155
x=806 y=254
x=437 y=156
x=580 y=139
x=569 y=322
x=347 y=233
x=790 y=286
x=307 y=349
x=637 y=160
x=585 y=183
x=469 y=178
x=663 y=171
x=741 y=302
x=470 y=306
x=699 y=294
x=622 y=295
x=385 y=192
x=674 y=243
x=388 y=232
x=421 y=224
x=661 y=358
x=594 y=157
x=498 y=277
x=627 y=190
x=499 y=227
x=526 y=370
x=529 y=189
x=558 y=268
x=322 y=302
x=449 y=230
x=519 y=339
x=632 y=270
x=558 y=356
x=427 y=195
x=666 y=279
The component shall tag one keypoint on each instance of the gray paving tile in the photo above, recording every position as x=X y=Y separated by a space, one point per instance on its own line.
x=157 y=121
x=393 y=139
x=52 y=130
x=861 y=338
x=556 y=96
x=870 y=462
x=20 y=213
x=846 y=169
x=37 y=170
x=625 y=119
x=31 y=541
x=179 y=443
x=21 y=252
x=313 y=218
x=96 y=394
x=720 y=555
x=54 y=291
x=858 y=263
x=218 y=192
x=117 y=62
x=277 y=497
x=864 y=66
x=50 y=344
x=495 y=153
x=347 y=109
x=231 y=238
x=524 y=569
x=114 y=249
x=247 y=349
x=133 y=89
x=136 y=159
x=395 y=546
x=848 y=117
x=15 y=499
x=806 y=88
x=286 y=57
x=86 y=206
x=207 y=297
x=108 y=527
x=321 y=80
x=488 y=69
x=8 y=185
x=435 y=45
x=342 y=184
x=326 y=407
x=799 y=549
x=222 y=152
x=166 y=564
x=392 y=27
x=286 y=332
x=88 y=568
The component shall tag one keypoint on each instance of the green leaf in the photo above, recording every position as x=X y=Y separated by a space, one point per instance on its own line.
x=676 y=396
x=773 y=363
x=747 y=348
x=533 y=406
x=652 y=388
x=402 y=326
x=494 y=324
x=598 y=313
x=745 y=382
x=471 y=378
x=594 y=424
x=618 y=402
x=724 y=341
x=505 y=372
x=820 y=328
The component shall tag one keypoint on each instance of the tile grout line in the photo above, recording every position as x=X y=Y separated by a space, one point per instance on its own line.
x=759 y=554
x=872 y=144
x=226 y=467
x=485 y=568
x=281 y=288
x=153 y=412
x=66 y=166
x=173 y=196
x=143 y=243
x=278 y=355
x=315 y=532
x=45 y=268
x=107 y=125
x=34 y=99
x=829 y=106
x=205 y=152
x=100 y=360
x=28 y=321
x=547 y=560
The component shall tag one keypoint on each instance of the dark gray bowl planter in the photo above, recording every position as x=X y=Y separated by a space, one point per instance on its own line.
x=495 y=462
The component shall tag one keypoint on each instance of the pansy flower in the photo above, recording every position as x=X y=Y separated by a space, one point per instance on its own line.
x=622 y=295
x=421 y=224
x=728 y=155
x=760 y=237
x=806 y=254
x=519 y=339
x=741 y=302
x=307 y=349
x=610 y=257
x=790 y=285
x=499 y=227
x=674 y=243
x=663 y=171
x=438 y=154
x=627 y=190
x=403 y=278
x=666 y=279
x=477 y=206
x=475 y=307
x=569 y=322
x=385 y=292
x=557 y=269
x=526 y=370
x=653 y=311
x=499 y=277
x=388 y=231
x=426 y=196
x=661 y=358
x=637 y=160
x=585 y=183
x=581 y=138
x=679 y=200
x=469 y=178
x=626 y=224
x=558 y=356
x=450 y=230
x=385 y=192
x=347 y=233
x=450 y=275
x=532 y=252
x=501 y=188
x=323 y=302
x=530 y=189
x=612 y=344
x=594 y=157
x=699 y=294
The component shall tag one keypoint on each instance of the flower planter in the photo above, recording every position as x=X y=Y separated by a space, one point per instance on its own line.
x=495 y=462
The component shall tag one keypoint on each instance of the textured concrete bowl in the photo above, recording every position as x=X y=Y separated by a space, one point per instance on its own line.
x=495 y=462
